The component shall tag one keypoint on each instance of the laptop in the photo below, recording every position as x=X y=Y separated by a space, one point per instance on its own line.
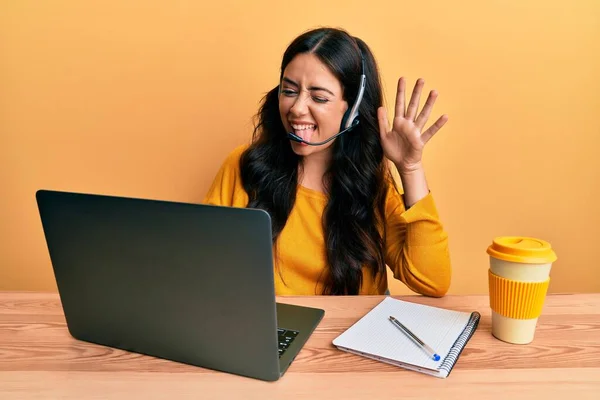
x=191 y=283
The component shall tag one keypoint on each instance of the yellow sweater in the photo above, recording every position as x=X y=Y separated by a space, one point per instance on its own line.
x=416 y=246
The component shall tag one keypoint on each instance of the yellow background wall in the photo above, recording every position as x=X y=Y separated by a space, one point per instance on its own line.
x=145 y=98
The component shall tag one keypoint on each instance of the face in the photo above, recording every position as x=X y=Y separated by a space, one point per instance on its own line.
x=311 y=103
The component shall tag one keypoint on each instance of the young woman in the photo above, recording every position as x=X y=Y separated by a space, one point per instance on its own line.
x=338 y=217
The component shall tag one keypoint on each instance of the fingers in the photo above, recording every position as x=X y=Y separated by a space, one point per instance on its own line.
x=400 y=97
x=383 y=122
x=424 y=115
x=411 y=110
x=428 y=134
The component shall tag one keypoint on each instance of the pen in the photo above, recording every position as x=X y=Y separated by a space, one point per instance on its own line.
x=415 y=339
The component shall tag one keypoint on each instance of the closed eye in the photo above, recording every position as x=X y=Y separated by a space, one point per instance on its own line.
x=290 y=82
x=291 y=93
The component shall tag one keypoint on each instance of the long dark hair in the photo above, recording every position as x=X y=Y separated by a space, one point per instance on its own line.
x=353 y=220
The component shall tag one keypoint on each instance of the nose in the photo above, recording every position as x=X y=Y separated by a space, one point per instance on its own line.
x=300 y=106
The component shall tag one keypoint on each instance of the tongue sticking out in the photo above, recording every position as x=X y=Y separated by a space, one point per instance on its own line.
x=305 y=134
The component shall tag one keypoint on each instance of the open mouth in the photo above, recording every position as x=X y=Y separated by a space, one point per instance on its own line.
x=305 y=131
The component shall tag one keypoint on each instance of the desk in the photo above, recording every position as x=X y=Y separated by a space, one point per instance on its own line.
x=39 y=360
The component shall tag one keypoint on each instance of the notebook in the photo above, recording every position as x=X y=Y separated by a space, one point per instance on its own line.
x=376 y=337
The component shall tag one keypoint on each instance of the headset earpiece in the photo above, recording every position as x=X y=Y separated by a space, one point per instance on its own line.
x=351 y=114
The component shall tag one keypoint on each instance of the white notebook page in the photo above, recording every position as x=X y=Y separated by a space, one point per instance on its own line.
x=376 y=335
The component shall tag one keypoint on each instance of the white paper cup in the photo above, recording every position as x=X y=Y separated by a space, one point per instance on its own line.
x=519 y=276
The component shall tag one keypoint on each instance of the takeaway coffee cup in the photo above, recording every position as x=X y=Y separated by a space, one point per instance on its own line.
x=519 y=276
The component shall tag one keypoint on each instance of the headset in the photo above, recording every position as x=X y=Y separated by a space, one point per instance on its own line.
x=350 y=118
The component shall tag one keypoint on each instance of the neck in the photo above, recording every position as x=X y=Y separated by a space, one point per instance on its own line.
x=312 y=170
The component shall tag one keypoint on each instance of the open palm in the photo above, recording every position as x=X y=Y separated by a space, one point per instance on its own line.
x=404 y=143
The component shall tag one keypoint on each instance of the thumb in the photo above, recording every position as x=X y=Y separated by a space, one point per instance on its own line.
x=383 y=122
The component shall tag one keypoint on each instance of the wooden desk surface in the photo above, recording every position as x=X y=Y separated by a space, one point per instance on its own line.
x=39 y=360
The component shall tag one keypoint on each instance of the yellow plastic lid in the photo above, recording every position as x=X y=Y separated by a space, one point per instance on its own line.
x=522 y=250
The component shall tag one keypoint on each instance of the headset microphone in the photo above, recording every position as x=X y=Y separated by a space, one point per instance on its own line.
x=292 y=136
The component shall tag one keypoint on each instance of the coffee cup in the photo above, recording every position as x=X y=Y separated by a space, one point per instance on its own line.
x=518 y=276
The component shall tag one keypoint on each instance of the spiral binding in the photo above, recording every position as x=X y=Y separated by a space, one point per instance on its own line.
x=460 y=344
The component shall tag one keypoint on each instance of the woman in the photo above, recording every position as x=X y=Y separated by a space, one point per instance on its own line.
x=337 y=215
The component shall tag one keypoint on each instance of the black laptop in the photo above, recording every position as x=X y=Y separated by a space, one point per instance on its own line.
x=190 y=283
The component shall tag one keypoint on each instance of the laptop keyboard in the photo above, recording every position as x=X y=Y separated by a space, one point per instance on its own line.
x=286 y=337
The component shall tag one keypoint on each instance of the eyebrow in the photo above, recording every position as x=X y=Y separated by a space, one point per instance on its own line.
x=291 y=82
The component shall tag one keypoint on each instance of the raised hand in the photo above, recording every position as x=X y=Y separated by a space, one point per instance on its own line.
x=404 y=143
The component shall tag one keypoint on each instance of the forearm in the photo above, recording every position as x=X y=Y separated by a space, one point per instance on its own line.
x=414 y=184
x=417 y=248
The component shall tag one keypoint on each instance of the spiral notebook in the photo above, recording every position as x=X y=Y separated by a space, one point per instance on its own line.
x=375 y=337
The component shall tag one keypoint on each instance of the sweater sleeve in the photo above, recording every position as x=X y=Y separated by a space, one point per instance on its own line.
x=417 y=244
x=226 y=188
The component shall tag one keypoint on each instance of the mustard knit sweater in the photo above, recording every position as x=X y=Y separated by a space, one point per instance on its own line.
x=416 y=247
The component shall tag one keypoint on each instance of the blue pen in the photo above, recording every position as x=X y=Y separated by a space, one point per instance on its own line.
x=415 y=339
